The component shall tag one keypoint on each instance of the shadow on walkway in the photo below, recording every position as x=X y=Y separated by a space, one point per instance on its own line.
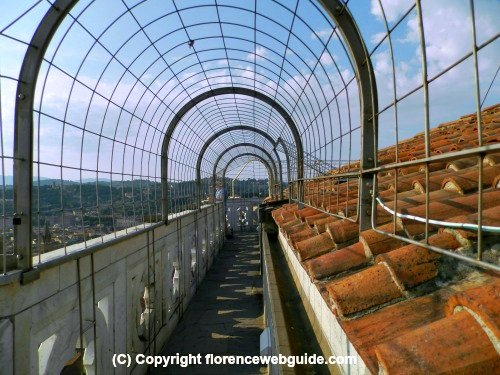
x=225 y=316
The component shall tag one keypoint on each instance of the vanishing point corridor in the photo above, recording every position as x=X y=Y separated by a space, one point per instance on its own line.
x=247 y=187
x=225 y=315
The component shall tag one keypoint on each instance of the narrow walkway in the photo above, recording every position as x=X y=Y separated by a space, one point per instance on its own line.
x=225 y=317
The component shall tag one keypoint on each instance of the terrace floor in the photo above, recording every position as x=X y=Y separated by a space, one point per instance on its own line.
x=225 y=316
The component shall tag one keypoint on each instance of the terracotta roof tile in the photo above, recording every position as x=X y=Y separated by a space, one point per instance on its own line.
x=460 y=164
x=376 y=243
x=290 y=222
x=320 y=225
x=407 y=201
x=314 y=246
x=360 y=291
x=465 y=182
x=305 y=212
x=435 y=179
x=287 y=215
x=496 y=182
x=434 y=166
x=342 y=231
x=456 y=344
x=483 y=301
x=348 y=211
x=413 y=264
x=445 y=148
x=294 y=227
x=490 y=216
x=393 y=321
x=491 y=159
x=444 y=209
x=371 y=284
x=301 y=236
x=389 y=194
x=337 y=261
x=310 y=220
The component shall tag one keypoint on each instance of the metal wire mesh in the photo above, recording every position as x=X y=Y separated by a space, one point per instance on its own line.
x=116 y=74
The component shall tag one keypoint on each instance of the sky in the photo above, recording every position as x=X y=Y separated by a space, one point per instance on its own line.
x=117 y=71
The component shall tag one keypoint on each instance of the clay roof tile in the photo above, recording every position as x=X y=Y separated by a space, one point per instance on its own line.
x=484 y=301
x=302 y=235
x=342 y=231
x=456 y=344
x=491 y=159
x=310 y=220
x=320 y=225
x=291 y=228
x=460 y=164
x=337 y=261
x=368 y=288
x=376 y=243
x=305 y=212
x=414 y=264
x=468 y=181
x=314 y=246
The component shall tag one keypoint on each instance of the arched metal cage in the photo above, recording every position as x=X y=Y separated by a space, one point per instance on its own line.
x=117 y=114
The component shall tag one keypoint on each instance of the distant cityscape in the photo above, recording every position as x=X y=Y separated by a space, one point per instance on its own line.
x=69 y=212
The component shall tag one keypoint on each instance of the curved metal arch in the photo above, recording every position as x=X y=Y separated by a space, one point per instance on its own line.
x=266 y=164
x=217 y=92
x=367 y=88
x=247 y=128
x=237 y=91
x=263 y=150
x=23 y=128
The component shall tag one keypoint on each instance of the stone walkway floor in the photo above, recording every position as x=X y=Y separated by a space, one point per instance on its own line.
x=225 y=317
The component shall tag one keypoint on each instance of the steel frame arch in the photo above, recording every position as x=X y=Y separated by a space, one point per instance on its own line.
x=266 y=164
x=217 y=92
x=23 y=123
x=247 y=128
x=23 y=129
x=368 y=101
x=276 y=175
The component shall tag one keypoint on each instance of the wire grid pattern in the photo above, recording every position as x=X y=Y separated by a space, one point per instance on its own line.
x=449 y=65
x=117 y=72
x=239 y=143
x=250 y=176
x=254 y=171
x=438 y=72
x=109 y=86
x=15 y=35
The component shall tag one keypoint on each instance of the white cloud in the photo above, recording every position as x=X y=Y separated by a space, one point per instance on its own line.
x=377 y=37
x=393 y=9
x=446 y=42
x=259 y=53
x=326 y=58
x=324 y=33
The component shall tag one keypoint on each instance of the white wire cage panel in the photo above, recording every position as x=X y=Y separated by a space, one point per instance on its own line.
x=129 y=95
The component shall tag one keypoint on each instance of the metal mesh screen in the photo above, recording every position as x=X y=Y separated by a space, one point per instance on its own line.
x=129 y=94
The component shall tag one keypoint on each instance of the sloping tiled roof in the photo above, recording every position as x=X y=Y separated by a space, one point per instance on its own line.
x=405 y=308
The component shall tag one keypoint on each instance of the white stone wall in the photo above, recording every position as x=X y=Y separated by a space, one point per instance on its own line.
x=242 y=213
x=122 y=298
x=322 y=318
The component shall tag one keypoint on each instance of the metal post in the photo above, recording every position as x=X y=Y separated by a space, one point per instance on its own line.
x=367 y=87
x=23 y=131
x=241 y=170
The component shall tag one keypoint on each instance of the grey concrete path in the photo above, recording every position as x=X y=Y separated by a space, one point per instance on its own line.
x=225 y=316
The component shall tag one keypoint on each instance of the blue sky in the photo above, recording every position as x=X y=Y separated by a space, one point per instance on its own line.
x=104 y=120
